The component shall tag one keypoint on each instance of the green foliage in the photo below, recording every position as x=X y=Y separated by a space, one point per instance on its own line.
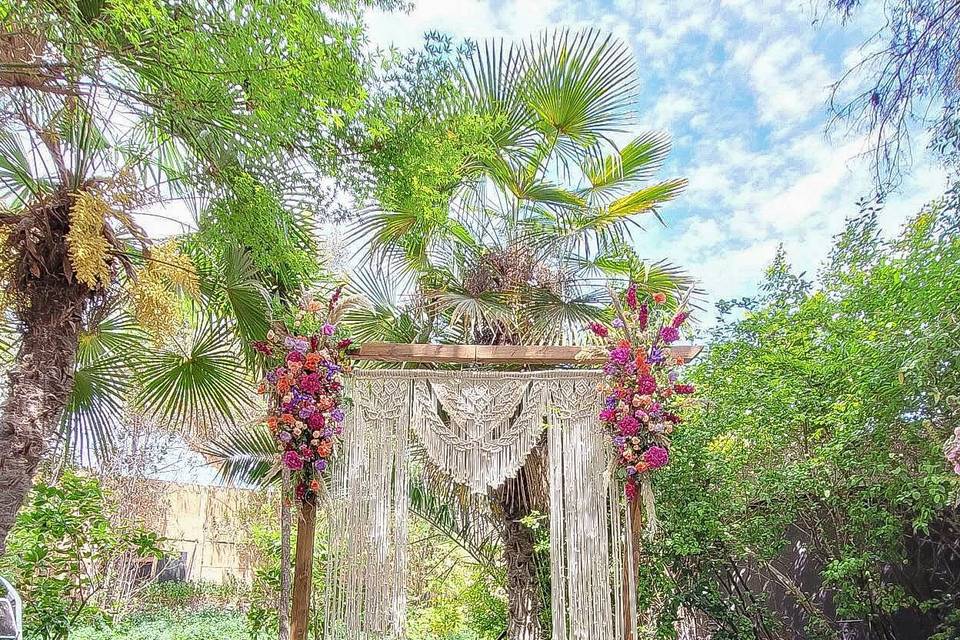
x=825 y=412
x=61 y=546
x=175 y=625
x=280 y=242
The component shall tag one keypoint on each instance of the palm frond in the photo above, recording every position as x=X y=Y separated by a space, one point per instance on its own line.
x=637 y=161
x=199 y=386
x=245 y=456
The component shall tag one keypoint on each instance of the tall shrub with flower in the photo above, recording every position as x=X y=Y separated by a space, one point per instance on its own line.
x=305 y=366
x=644 y=398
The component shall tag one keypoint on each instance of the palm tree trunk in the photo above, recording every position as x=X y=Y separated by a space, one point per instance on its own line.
x=39 y=385
x=516 y=499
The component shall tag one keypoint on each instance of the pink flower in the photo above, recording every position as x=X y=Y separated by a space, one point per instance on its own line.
x=328 y=329
x=599 y=329
x=292 y=460
x=629 y=426
x=309 y=383
x=679 y=319
x=608 y=415
x=656 y=456
x=632 y=296
x=646 y=384
x=294 y=356
x=684 y=389
x=669 y=334
x=630 y=489
x=643 y=316
x=316 y=421
x=620 y=355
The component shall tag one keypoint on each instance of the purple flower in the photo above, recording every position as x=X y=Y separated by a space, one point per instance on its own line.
x=672 y=377
x=657 y=356
x=337 y=415
x=285 y=436
x=669 y=334
x=306 y=412
x=620 y=355
x=328 y=329
x=619 y=441
x=618 y=323
x=611 y=402
x=320 y=464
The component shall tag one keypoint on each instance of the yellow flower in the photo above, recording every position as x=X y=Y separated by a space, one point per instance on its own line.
x=86 y=242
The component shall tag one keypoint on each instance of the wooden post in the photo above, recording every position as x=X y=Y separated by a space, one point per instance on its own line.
x=303 y=571
x=635 y=513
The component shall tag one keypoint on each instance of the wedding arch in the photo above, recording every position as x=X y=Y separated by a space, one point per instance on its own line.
x=478 y=426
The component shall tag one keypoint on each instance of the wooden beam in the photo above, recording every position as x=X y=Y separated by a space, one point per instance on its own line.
x=303 y=571
x=493 y=354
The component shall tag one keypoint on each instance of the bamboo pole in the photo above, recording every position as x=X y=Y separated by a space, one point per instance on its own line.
x=303 y=571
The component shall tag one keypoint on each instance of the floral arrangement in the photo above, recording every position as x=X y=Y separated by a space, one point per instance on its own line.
x=644 y=397
x=304 y=379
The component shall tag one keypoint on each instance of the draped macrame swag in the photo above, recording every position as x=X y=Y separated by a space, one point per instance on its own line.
x=478 y=427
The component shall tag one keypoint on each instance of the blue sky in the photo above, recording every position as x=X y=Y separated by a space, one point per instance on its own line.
x=741 y=86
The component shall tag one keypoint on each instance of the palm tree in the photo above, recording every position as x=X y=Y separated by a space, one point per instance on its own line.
x=520 y=240
x=105 y=113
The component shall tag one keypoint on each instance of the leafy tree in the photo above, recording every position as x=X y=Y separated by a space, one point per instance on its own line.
x=111 y=107
x=826 y=407
x=911 y=79
x=62 y=552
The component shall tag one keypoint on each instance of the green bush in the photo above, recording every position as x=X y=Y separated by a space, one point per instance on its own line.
x=66 y=558
x=171 y=625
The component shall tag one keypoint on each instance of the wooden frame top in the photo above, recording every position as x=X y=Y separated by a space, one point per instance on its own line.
x=493 y=354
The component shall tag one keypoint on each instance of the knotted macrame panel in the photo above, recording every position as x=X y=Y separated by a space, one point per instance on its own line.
x=367 y=555
x=479 y=427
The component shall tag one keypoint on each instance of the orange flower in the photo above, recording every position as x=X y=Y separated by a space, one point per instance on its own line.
x=324 y=449
x=642 y=466
x=659 y=298
x=294 y=367
x=288 y=418
x=283 y=385
x=324 y=403
x=624 y=343
x=311 y=361
x=313 y=306
x=272 y=422
x=315 y=486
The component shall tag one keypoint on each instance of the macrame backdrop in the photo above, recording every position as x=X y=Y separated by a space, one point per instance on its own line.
x=479 y=427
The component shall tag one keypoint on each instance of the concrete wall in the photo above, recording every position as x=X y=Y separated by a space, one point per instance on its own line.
x=209 y=529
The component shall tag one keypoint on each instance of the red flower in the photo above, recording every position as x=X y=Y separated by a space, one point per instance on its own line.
x=659 y=298
x=643 y=316
x=343 y=344
x=679 y=319
x=632 y=296
x=684 y=389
